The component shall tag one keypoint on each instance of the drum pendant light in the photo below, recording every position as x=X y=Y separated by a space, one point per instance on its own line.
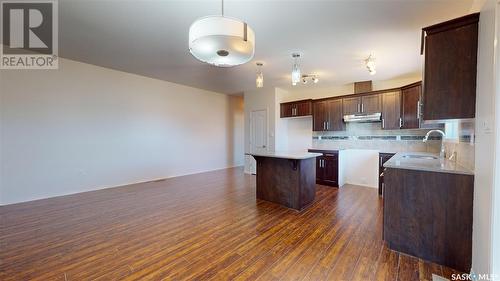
x=221 y=41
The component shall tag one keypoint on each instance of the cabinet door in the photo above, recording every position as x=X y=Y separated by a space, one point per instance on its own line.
x=331 y=169
x=319 y=115
x=303 y=108
x=450 y=70
x=286 y=110
x=410 y=97
x=320 y=172
x=391 y=104
x=351 y=105
x=371 y=103
x=335 y=116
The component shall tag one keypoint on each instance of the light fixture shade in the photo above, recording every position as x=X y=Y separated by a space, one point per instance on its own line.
x=221 y=41
x=295 y=74
x=259 y=81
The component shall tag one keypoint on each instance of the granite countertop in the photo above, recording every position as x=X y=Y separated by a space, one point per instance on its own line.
x=295 y=155
x=326 y=150
x=399 y=161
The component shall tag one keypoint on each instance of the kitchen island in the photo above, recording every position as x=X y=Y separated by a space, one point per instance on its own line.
x=286 y=178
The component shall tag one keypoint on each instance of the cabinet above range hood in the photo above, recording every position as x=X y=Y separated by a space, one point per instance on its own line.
x=363 y=118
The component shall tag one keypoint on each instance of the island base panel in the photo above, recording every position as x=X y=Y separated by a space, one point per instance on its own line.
x=288 y=182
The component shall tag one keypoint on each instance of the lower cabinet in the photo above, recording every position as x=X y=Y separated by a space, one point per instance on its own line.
x=429 y=215
x=327 y=168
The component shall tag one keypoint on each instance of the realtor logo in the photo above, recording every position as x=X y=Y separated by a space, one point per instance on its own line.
x=29 y=34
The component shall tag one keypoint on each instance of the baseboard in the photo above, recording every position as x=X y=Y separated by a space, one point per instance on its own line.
x=119 y=185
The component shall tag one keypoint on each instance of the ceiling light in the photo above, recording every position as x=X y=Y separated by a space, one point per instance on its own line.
x=370 y=65
x=295 y=69
x=221 y=41
x=306 y=77
x=259 y=81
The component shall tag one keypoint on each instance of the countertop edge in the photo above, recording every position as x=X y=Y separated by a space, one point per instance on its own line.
x=415 y=167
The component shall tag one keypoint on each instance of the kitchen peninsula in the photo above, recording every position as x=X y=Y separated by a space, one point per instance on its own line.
x=288 y=179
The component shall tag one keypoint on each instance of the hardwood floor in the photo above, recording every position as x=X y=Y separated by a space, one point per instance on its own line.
x=201 y=227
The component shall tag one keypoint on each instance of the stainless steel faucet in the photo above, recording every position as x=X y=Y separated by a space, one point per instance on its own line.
x=441 y=153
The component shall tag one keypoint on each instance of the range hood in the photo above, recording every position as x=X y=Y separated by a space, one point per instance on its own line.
x=374 y=117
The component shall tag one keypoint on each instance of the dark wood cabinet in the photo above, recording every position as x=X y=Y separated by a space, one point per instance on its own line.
x=382 y=158
x=410 y=100
x=296 y=108
x=320 y=115
x=351 y=105
x=449 y=86
x=327 y=115
x=371 y=103
x=391 y=106
x=335 y=115
x=429 y=215
x=327 y=167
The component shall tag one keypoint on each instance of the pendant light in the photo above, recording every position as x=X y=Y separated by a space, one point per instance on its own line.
x=295 y=69
x=221 y=41
x=259 y=81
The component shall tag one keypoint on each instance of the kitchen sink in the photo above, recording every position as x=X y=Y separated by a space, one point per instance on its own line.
x=425 y=157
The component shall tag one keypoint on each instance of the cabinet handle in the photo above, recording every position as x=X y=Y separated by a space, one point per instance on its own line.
x=383 y=123
x=400 y=122
x=362 y=107
x=328 y=125
x=418 y=109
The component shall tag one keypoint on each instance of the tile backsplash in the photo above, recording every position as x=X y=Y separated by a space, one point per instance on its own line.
x=371 y=136
x=460 y=139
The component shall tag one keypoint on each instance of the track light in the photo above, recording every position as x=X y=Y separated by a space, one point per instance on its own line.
x=309 y=77
x=370 y=65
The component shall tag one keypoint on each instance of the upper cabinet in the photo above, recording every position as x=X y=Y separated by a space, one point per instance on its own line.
x=327 y=115
x=371 y=103
x=391 y=107
x=351 y=105
x=410 y=100
x=335 y=115
x=320 y=115
x=296 y=108
x=449 y=86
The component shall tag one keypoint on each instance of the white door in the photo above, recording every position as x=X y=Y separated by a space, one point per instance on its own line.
x=258 y=135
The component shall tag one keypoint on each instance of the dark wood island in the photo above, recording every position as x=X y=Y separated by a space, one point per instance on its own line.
x=288 y=179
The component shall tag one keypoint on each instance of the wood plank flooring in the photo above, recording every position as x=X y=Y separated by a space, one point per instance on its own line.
x=201 y=227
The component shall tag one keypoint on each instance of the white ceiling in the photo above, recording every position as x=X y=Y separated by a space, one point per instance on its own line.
x=150 y=38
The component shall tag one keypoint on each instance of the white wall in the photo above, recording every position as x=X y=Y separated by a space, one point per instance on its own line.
x=496 y=191
x=359 y=167
x=84 y=127
x=485 y=140
x=259 y=99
